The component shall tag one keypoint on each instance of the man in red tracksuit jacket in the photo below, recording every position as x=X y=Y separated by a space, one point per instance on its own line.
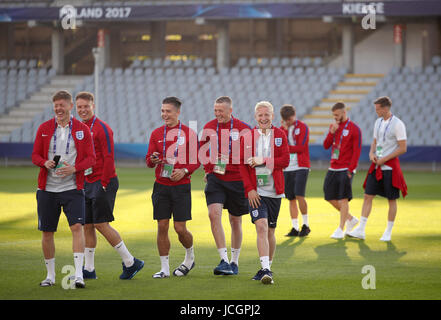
x=296 y=174
x=220 y=155
x=63 y=149
x=265 y=155
x=173 y=150
x=344 y=137
x=100 y=192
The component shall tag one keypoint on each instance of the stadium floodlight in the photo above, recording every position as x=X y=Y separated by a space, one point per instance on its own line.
x=199 y=21
x=96 y=56
x=327 y=19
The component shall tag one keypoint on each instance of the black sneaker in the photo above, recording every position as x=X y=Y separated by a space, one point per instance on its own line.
x=305 y=231
x=129 y=273
x=258 y=276
x=292 y=233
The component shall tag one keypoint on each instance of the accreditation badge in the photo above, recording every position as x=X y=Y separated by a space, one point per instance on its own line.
x=335 y=154
x=88 y=171
x=262 y=176
x=221 y=165
x=379 y=152
x=262 y=179
x=167 y=170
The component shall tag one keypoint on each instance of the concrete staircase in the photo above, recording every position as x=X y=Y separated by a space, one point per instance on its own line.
x=353 y=88
x=37 y=103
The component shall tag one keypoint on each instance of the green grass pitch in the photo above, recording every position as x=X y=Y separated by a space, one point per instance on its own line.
x=316 y=267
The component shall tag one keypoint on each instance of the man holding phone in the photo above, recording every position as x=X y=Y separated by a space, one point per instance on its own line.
x=173 y=152
x=63 y=149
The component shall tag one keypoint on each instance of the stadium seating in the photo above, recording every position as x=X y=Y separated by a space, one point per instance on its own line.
x=134 y=95
x=416 y=97
x=18 y=80
x=130 y=99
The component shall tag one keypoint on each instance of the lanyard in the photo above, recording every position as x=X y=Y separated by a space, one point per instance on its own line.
x=93 y=122
x=229 y=136
x=68 y=137
x=177 y=141
x=341 y=136
x=385 y=130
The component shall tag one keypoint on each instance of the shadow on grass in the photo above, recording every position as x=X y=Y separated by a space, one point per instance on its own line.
x=334 y=252
x=11 y=223
x=389 y=256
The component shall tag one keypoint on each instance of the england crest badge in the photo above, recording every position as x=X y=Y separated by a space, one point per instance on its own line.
x=278 y=141
x=79 y=134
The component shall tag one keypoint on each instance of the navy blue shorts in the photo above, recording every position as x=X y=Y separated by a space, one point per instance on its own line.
x=229 y=193
x=337 y=185
x=295 y=183
x=49 y=206
x=269 y=209
x=383 y=187
x=100 y=203
x=168 y=200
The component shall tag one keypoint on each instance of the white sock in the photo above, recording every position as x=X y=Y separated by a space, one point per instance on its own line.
x=363 y=221
x=50 y=267
x=165 y=267
x=78 y=262
x=189 y=257
x=126 y=257
x=235 y=255
x=223 y=254
x=390 y=225
x=295 y=224
x=89 y=259
x=305 y=219
x=264 y=261
x=270 y=263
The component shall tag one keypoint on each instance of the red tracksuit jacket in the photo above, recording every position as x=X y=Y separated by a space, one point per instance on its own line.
x=350 y=146
x=84 y=146
x=104 y=169
x=187 y=156
x=397 y=175
x=232 y=172
x=302 y=144
x=280 y=150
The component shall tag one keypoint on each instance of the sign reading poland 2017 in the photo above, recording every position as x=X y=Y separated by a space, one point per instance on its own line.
x=94 y=12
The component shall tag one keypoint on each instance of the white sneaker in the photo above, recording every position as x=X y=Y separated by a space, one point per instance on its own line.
x=47 y=283
x=79 y=283
x=351 y=224
x=387 y=236
x=338 y=234
x=357 y=233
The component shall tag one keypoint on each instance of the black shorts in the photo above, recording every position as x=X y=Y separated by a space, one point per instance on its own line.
x=49 y=206
x=229 y=193
x=337 y=185
x=100 y=203
x=295 y=183
x=383 y=187
x=269 y=209
x=168 y=200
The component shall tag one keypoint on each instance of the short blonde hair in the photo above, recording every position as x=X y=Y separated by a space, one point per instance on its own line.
x=265 y=104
